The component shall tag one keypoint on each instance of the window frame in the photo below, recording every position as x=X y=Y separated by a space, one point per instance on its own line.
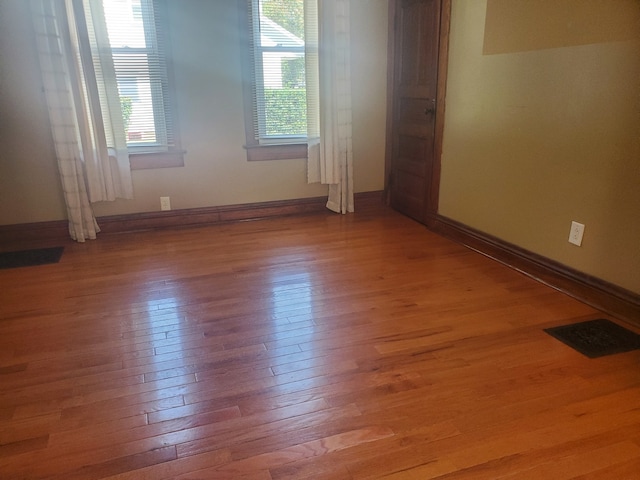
x=278 y=149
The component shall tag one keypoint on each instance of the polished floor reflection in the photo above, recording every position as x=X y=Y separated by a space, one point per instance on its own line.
x=310 y=347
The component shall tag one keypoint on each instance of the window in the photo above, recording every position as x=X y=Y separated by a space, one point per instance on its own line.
x=138 y=40
x=281 y=85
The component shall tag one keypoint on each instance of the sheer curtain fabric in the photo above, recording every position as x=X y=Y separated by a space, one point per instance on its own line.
x=92 y=159
x=330 y=155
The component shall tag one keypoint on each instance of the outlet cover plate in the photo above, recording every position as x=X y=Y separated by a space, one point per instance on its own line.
x=576 y=233
x=165 y=203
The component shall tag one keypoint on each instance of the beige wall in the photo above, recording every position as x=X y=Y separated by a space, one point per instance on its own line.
x=29 y=190
x=536 y=139
x=207 y=72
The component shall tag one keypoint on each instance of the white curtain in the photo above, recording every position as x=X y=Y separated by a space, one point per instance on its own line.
x=86 y=123
x=330 y=156
x=103 y=137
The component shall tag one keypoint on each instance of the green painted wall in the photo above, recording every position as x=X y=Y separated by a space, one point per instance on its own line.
x=535 y=139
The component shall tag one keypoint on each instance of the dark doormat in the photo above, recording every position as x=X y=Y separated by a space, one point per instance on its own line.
x=28 y=258
x=596 y=338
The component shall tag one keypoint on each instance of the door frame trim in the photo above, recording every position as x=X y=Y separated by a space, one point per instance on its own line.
x=443 y=62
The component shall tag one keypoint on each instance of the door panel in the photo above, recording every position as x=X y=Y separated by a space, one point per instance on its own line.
x=414 y=90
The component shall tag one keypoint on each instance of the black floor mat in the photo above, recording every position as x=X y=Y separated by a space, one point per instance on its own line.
x=28 y=258
x=596 y=338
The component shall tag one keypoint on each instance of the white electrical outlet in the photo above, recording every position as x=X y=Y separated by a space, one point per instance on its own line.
x=576 y=233
x=165 y=203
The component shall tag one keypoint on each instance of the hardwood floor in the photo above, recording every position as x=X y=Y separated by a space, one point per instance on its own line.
x=311 y=347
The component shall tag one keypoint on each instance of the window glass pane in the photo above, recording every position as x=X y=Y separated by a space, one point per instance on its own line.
x=280 y=93
x=140 y=72
x=124 y=23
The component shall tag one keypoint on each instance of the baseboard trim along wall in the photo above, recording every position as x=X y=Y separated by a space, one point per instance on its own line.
x=208 y=215
x=593 y=291
x=47 y=232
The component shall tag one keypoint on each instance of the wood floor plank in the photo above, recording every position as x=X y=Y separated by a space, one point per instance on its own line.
x=305 y=450
x=122 y=464
x=99 y=412
x=175 y=468
x=627 y=469
x=307 y=347
x=14 y=447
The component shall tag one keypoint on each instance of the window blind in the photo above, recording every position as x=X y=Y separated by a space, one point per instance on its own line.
x=281 y=32
x=138 y=40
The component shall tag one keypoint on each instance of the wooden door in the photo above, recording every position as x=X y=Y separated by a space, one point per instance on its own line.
x=414 y=44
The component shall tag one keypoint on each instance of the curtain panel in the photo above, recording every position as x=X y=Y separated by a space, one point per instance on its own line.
x=90 y=168
x=330 y=153
x=104 y=143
